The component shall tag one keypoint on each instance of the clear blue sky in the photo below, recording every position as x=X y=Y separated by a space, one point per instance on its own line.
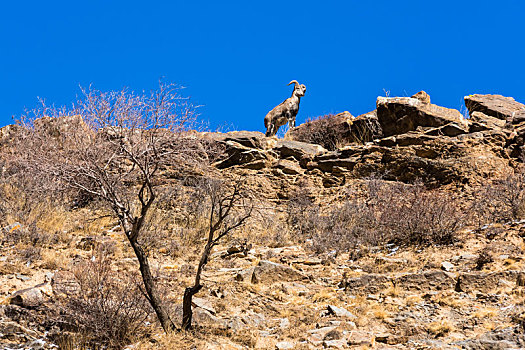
x=236 y=57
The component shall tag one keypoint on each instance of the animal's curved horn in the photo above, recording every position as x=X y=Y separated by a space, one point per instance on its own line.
x=294 y=82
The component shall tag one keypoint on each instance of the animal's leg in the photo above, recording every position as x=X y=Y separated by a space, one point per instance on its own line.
x=291 y=123
x=269 y=130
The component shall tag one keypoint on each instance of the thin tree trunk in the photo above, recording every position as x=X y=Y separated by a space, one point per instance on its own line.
x=187 y=312
x=189 y=292
x=151 y=290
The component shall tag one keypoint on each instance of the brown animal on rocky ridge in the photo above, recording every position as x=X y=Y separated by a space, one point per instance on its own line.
x=286 y=111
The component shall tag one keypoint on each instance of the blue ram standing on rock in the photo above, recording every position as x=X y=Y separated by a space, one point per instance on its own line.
x=286 y=111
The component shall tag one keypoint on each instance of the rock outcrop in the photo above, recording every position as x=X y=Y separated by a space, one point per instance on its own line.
x=412 y=139
x=496 y=106
x=398 y=115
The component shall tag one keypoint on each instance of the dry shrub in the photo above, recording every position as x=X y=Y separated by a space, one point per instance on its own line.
x=501 y=200
x=387 y=213
x=325 y=131
x=108 y=308
x=333 y=131
x=484 y=258
x=341 y=228
x=30 y=235
x=414 y=215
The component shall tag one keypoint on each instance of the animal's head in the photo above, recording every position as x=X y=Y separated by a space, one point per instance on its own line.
x=299 y=89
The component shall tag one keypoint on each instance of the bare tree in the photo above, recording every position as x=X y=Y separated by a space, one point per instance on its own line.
x=229 y=210
x=114 y=146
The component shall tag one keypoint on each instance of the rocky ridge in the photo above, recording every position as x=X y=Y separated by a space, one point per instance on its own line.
x=289 y=298
x=417 y=140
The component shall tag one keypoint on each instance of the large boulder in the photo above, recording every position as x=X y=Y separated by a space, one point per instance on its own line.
x=481 y=122
x=398 y=115
x=271 y=272
x=251 y=139
x=237 y=154
x=300 y=151
x=497 y=106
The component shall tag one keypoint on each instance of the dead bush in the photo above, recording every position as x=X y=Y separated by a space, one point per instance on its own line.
x=501 y=199
x=333 y=131
x=341 y=228
x=484 y=258
x=414 y=215
x=108 y=307
x=324 y=130
x=386 y=213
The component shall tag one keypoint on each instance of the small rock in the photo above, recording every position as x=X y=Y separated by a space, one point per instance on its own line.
x=285 y=323
x=284 y=345
x=22 y=277
x=338 y=312
x=447 y=266
x=422 y=96
x=359 y=338
x=332 y=335
x=308 y=261
x=203 y=304
x=268 y=271
x=335 y=344
x=319 y=334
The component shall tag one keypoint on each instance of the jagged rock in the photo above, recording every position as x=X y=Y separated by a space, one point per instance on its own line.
x=390 y=339
x=335 y=344
x=203 y=304
x=499 y=339
x=367 y=284
x=250 y=139
x=480 y=122
x=319 y=334
x=427 y=281
x=365 y=128
x=15 y=332
x=447 y=266
x=338 y=312
x=301 y=151
x=470 y=158
x=360 y=338
x=486 y=282
x=288 y=167
x=237 y=154
x=496 y=106
x=31 y=297
x=56 y=127
x=270 y=272
x=398 y=115
x=450 y=129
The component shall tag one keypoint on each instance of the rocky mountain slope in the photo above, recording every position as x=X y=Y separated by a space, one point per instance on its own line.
x=270 y=287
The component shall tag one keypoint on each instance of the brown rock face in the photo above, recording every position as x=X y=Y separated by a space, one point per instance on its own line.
x=398 y=115
x=496 y=106
x=480 y=122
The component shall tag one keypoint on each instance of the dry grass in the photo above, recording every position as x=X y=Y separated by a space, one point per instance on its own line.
x=440 y=328
x=323 y=296
x=54 y=260
x=484 y=312
x=449 y=299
